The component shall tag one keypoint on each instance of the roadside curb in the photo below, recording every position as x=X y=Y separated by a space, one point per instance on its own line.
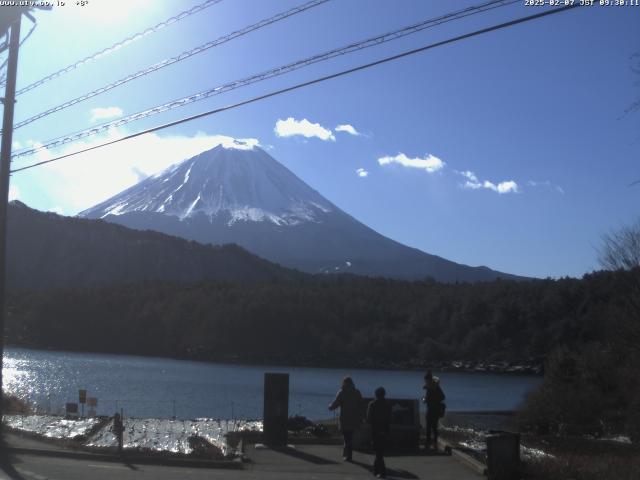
x=129 y=458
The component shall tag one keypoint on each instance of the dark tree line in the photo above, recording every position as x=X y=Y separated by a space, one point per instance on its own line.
x=343 y=320
x=590 y=386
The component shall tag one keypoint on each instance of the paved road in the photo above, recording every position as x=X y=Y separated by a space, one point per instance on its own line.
x=304 y=462
x=31 y=467
x=34 y=459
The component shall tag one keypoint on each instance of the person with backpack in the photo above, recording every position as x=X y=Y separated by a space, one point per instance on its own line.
x=349 y=400
x=379 y=417
x=434 y=398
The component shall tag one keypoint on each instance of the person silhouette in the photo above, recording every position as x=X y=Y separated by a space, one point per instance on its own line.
x=434 y=396
x=349 y=400
x=379 y=417
x=118 y=430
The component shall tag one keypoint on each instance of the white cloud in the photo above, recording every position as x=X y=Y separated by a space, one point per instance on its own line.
x=14 y=192
x=469 y=175
x=139 y=173
x=57 y=209
x=83 y=180
x=40 y=155
x=348 y=129
x=235 y=143
x=508 y=186
x=361 y=172
x=503 y=187
x=16 y=145
x=291 y=127
x=105 y=113
x=430 y=163
x=546 y=184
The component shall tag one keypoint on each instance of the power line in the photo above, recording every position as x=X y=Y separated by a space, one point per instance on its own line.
x=370 y=42
x=120 y=44
x=178 y=58
x=312 y=82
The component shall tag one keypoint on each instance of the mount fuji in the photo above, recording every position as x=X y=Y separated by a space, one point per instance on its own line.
x=243 y=195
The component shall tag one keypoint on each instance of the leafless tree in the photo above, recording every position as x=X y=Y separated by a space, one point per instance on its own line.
x=635 y=105
x=635 y=68
x=620 y=249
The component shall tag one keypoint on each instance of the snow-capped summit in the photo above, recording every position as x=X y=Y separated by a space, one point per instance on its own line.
x=237 y=193
x=239 y=183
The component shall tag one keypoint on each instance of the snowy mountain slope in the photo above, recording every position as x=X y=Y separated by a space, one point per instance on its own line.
x=244 y=196
x=245 y=185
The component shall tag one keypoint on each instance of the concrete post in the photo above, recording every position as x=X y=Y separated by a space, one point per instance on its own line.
x=276 y=408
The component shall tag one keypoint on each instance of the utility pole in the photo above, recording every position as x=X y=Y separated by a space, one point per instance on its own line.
x=5 y=165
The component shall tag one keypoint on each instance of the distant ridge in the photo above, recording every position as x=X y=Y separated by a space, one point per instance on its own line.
x=243 y=195
x=46 y=250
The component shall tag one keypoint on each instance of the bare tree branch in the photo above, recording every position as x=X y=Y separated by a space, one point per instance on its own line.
x=620 y=249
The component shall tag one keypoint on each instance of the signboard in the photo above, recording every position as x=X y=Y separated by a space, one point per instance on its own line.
x=92 y=402
x=405 y=426
x=404 y=411
x=72 y=409
x=82 y=396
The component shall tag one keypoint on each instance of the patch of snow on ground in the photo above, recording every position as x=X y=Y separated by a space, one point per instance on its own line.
x=115 y=210
x=477 y=442
x=534 y=453
x=321 y=207
x=172 y=435
x=246 y=214
x=190 y=209
x=159 y=435
x=186 y=175
x=619 y=439
x=51 y=426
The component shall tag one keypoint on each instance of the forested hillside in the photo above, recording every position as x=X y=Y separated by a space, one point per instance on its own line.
x=342 y=320
x=47 y=251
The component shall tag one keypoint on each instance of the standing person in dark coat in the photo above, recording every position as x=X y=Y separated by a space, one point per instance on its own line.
x=379 y=417
x=349 y=400
x=118 y=430
x=434 y=396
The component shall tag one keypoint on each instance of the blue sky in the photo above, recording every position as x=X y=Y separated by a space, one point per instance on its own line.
x=510 y=150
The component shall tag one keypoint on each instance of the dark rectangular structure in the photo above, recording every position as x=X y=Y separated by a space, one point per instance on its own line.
x=276 y=408
x=71 y=410
x=503 y=455
x=405 y=426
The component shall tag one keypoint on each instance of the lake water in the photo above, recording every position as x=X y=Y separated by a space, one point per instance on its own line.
x=163 y=388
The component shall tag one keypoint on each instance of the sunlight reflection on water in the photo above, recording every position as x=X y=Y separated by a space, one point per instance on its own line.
x=147 y=387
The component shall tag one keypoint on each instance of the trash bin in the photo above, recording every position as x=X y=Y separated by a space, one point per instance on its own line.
x=503 y=455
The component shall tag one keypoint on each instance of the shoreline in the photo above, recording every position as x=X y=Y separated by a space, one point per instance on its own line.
x=530 y=367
